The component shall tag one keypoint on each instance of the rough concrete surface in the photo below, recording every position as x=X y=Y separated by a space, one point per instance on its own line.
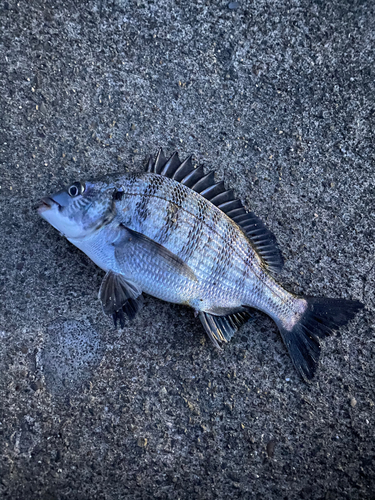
x=279 y=98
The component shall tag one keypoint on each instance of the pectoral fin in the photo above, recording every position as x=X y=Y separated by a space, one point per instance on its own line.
x=147 y=249
x=119 y=296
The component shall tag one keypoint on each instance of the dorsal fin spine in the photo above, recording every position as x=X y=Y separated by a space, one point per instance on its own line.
x=171 y=166
x=193 y=177
x=185 y=167
x=160 y=161
x=204 y=182
x=150 y=165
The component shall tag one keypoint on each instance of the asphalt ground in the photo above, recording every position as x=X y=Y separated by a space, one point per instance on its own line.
x=279 y=98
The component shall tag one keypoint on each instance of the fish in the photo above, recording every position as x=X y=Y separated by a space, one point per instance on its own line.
x=175 y=233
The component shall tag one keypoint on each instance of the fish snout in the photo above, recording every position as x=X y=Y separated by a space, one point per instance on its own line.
x=45 y=204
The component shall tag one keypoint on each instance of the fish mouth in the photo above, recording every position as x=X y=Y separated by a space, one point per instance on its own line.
x=47 y=203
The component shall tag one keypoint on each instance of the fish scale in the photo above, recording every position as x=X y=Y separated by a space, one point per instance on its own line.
x=177 y=235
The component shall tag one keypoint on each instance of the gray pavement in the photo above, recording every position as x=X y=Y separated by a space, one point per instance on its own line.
x=279 y=98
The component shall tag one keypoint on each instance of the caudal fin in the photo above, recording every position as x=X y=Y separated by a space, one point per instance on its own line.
x=321 y=316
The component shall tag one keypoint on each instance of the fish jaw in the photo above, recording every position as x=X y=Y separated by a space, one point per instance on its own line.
x=46 y=204
x=50 y=210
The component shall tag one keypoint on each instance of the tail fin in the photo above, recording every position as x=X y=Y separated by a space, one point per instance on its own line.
x=321 y=316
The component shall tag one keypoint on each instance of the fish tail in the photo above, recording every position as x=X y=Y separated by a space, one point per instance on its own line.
x=318 y=318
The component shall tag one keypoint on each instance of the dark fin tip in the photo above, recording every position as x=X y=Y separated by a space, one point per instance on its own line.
x=119 y=316
x=132 y=306
x=118 y=296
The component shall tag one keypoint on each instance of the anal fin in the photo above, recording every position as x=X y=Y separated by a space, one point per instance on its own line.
x=221 y=329
x=119 y=296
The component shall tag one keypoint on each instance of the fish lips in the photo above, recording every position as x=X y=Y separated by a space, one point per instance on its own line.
x=47 y=203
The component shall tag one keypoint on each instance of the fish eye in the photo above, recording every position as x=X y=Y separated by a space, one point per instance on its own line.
x=76 y=189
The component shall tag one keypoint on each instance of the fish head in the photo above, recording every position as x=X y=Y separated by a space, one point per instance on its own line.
x=80 y=209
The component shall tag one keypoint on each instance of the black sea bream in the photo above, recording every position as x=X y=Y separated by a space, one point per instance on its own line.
x=177 y=235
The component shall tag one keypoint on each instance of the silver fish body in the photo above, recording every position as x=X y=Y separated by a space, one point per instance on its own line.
x=168 y=238
x=227 y=271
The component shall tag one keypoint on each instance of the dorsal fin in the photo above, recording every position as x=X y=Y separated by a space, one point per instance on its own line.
x=262 y=239
x=160 y=161
x=193 y=177
x=171 y=166
x=183 y=170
